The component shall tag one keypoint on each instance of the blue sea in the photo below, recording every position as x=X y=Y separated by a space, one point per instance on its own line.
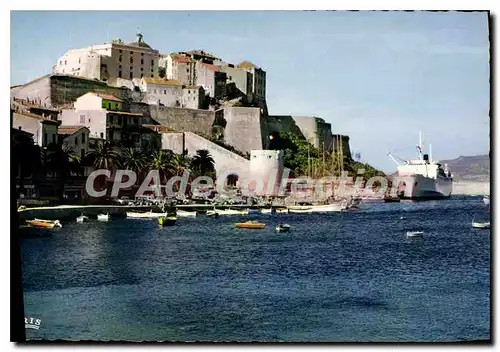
x=339 y=277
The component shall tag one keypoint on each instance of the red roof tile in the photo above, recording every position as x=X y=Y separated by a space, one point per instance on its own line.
x=212 y=67
x=68 y=129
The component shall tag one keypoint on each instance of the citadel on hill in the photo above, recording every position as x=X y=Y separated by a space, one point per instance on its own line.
x=131 y=94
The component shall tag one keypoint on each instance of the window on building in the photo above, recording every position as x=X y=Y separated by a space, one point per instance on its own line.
x=120 y=58
x=142 y=61
x=131 y=60
x=142 y=69
x=119 y=120
x=109 y=105
x=154 y=91
x=120 y=67
x=65 y=62
x=79 y=60
x=82 y=118
x=76 y=140
x=54 y=138
x=142 y=54
x=187 y=70
x=83 y=138
x=152 y=76
x=82 y=154
x=130 y=75
x=164 y=91
x=142 y=75
x=102 y=135
x=120 y=74
x=111 y=135
x=121 y=51
x=152 y=62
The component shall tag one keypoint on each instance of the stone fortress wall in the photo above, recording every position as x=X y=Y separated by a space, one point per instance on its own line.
x=244 y=128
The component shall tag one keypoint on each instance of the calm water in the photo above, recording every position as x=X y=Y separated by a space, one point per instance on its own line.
x=335 y=277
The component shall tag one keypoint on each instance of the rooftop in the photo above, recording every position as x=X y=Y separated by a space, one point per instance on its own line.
x=67 y=130
x=247 y=65
x=161 y=81
x=106 y=96
x=212 y=67
x=36 y=117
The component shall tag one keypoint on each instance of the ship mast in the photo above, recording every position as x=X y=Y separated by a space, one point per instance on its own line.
x=420 y=145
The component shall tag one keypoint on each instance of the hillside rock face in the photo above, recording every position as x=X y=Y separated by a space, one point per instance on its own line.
x=470 y=168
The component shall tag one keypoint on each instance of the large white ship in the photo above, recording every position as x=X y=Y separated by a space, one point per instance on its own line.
x=421 y=178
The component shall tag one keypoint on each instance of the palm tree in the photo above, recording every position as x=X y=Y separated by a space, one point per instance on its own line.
x=162 y=161
x=180 y=163
x=133 y=159
x=104 y=157
x=203 y=163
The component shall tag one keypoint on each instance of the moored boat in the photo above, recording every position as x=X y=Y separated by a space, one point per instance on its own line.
x=103 y=217
x=183 y=213
x=167 y=220
x=266 y=210
x=283 y=228
x=282 y=210
x=231 y=212
x=81 y=218
x=145 y=215
x=326 y=208
x=253 y=225
x=49 y=224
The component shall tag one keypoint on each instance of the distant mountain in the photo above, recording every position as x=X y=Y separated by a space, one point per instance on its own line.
x=469 y=168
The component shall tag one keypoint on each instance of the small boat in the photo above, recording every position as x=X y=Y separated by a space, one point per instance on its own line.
x=266 y=210
x=283 y=228
x=414 y=233
x=481 y=225
x=254 y=225
x=282 y=211
x=391 y=199
x=231 y=212
x=146 y=215
x=103 y=217
x=167 y=221
x=253 y=211
x=212 y=213
x=82 y=218
x=486 y=200
x=326 y=208
x=49 y=224
x=183 y=213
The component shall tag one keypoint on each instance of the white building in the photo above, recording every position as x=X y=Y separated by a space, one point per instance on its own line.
x=44 y=131
x=192 y=69
x=259 y=81
x=76 y=138
x=113 y=60
x=265 y=171
x=163 y=91
x=193 y=97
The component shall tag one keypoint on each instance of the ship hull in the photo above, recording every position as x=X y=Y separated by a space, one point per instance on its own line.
x=421 y=187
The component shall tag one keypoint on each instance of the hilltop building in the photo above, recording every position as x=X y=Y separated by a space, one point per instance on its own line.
x=109 y=61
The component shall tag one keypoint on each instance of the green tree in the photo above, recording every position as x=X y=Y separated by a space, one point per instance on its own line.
x=133 y=159
x=203 y=164
x=103 y=157
x=162 y=161
x=162 y=72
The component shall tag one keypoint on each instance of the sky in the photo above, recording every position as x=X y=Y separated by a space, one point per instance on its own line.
x=379 y=77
